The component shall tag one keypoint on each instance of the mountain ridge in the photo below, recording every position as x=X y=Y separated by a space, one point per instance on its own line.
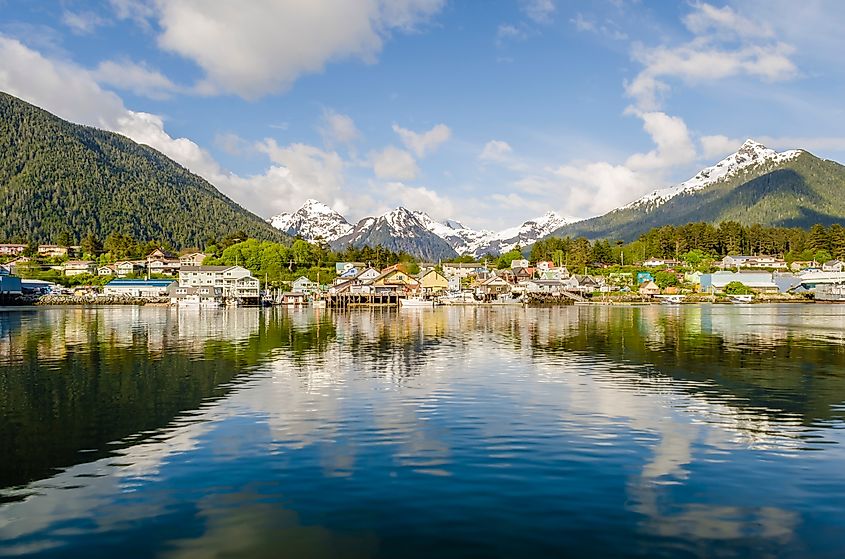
x=58 y=178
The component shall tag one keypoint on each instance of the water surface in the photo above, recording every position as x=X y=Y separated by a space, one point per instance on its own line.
x=577 y=431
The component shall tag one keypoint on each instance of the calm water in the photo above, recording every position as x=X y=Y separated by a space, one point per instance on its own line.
x=584 y=432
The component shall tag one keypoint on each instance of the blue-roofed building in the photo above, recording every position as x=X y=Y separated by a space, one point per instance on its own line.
x=10 y=285
x=137 y=288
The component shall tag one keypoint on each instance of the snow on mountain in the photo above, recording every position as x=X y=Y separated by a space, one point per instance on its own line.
x=413 y=232
x=313 y=221
x=750 y=154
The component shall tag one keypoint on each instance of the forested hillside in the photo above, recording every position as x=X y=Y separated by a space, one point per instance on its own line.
x=59 y=179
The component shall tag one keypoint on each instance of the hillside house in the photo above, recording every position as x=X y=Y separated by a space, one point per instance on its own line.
x=78 y=267
x=52 y=251
x=9 y=249
x=833 y=266
x=192 y=259
x=462 y=269
x=129 y=267
x=519 y=263
x=305 y=285
x=107 y=270
x=341 y=267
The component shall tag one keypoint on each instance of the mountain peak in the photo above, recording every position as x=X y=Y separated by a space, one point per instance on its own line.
x=313 y=220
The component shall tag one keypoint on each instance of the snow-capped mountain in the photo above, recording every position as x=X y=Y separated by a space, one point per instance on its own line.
x=398 y=230
x=750 y=155
x=313 y=221
x=754 y=185
x=412 y=231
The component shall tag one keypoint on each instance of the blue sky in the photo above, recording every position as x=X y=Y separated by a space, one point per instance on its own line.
x=486 y=112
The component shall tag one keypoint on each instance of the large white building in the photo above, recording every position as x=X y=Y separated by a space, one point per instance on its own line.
x=235 y=281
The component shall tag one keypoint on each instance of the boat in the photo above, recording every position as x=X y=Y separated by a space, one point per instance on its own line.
x=196 y=302
x=461 y=298
x=416 y=302
x=741 y=299
x=671 y=299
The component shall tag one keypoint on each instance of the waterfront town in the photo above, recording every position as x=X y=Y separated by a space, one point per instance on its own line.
x=188 y=279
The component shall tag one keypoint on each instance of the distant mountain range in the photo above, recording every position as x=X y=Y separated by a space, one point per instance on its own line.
x=59 y=178
x=754 y=185
x=410 y=231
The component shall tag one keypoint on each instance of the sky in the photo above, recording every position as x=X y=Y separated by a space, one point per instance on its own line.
x=489 y=113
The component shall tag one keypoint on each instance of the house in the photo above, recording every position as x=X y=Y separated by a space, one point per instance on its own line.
x=129 y=267
x=304 y=285
x=544 y=265
x=552 y=287
x=620 y=278
x=693 y=277
x=519 y=263
x=761 y=261
x=107 y=270
x=163 y=266
x=649 y=289
x=235 y=281
x=78 y=267
x=192 y=259
x=161 y=254
x=433 y=283
x=761 y=282
x=394 y=279
x=643 y=277
x=137 y=288
x=11 y=249
x=462 y=269
x=494 y=286
x=341 y=267
x=294 y=298
x=454 y=284
x=811 y=279
x=582 y=283
x=833 y=266
x=658 y=262
x=801 y=265
x=52 y=251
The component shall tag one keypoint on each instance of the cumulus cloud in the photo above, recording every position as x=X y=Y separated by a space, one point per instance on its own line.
x=674 y=145
x=538 y=11
x=718 y=146
x=706 y=18
x=135 y=77
x=423 y=143
x=257 y=47
x=82 y=23
x=73 y=93
x=418 y=198
x=393 y=163
x=495 y=150
x=337 y=128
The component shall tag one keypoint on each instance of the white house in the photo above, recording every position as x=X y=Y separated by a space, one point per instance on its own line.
x=305 y=285
x=519 y=263
x=461 y=269
x=236 y=281
x=192 y=259
x=78 y=267
x=833 y=266
x=137 y=288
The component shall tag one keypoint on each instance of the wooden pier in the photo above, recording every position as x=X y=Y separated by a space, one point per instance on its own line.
x=347 y=300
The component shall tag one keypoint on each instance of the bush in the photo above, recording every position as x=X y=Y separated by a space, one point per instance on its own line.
x=737 y=288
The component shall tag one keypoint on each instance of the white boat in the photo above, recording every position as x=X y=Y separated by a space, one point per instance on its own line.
x=462 y=298
x=741 y=299
x=416 y=302
x=670 y=299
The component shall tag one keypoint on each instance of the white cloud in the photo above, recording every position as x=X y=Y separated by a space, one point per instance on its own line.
x=598 y=187
x=135 y=77
x=72 y=93
x=82 y=23
x=418 y=198
x=672 y=139
x=231 y=143
x=337 y=128
x=699 y=62
x=393 y=163
x=706 y=18
x=257 y=47
x=539 y=11
x=507 y=31
x=423 y=143
x=495 y=150
x=718 y=146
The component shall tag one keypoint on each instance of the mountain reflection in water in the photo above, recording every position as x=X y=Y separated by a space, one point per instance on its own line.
x=578 y=431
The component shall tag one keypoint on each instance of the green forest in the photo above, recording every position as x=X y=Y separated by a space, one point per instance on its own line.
x=59 y=179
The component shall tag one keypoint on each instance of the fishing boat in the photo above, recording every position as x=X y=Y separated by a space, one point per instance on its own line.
x=416 y=302
x=670 y=299
x=741 y=299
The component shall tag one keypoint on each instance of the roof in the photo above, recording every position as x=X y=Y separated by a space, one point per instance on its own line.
x=205 y=268
x=138 y=283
